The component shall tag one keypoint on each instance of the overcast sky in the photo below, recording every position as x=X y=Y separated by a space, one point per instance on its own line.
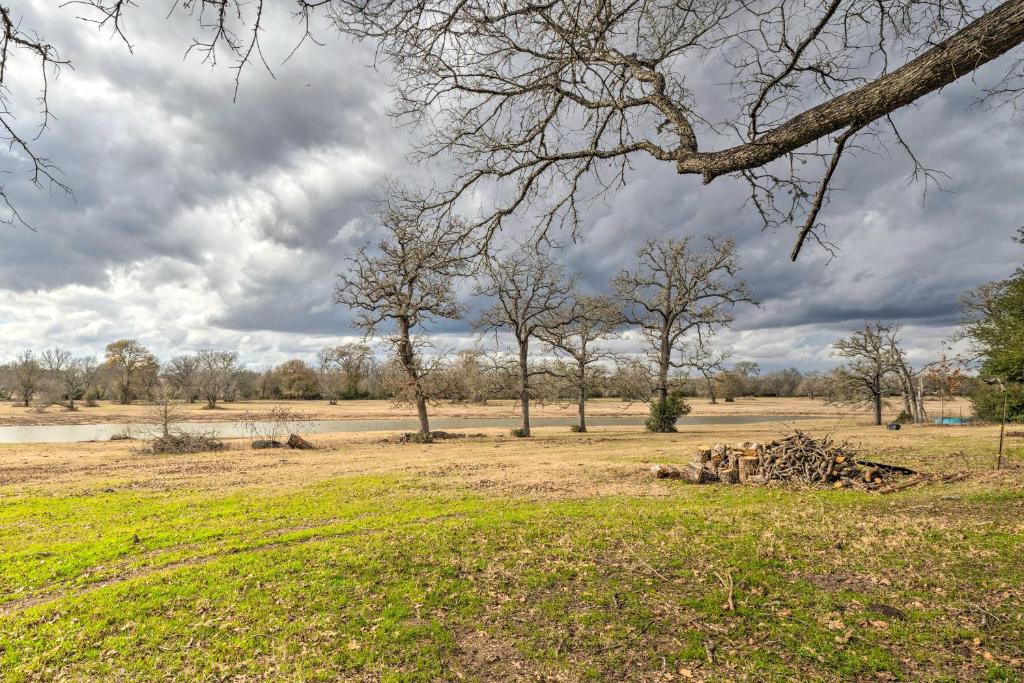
x=201 y=222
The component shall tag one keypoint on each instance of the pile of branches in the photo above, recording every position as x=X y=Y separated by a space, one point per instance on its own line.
x=182 y=442
x=420 y=437
x=798 y=458
x=803 y=458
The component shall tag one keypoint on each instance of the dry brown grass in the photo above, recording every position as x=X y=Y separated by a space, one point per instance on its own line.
x=608 y=460
x=106 y=412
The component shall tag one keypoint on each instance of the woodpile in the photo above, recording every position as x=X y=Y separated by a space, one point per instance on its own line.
x=796 y=458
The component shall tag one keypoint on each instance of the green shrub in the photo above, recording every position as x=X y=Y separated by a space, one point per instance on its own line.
x=904 y=418
x=419 y=437
x=665 y=413
x=518 y=432
x=988 y=403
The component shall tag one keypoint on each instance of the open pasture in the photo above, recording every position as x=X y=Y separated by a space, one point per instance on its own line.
x=553 y=558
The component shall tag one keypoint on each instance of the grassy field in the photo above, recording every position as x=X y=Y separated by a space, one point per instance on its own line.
x=557 y=558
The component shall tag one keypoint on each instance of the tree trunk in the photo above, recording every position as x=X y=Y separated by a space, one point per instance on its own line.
x=582 y=426
x=664 y=356
x=877 y=398
x=421 y=411
x=408 y=359
x=524 y=384
x=908 y=396
x=922 y=414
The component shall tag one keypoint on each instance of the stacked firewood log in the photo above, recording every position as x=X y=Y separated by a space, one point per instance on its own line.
x=795 y=458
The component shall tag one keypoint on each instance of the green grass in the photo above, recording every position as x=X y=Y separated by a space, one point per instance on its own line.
x=391 y=578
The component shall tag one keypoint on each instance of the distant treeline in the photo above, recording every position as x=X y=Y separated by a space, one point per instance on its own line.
x=129 y=372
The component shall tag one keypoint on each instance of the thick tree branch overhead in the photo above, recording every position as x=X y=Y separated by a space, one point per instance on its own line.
x=544 y=104
x=541 y=106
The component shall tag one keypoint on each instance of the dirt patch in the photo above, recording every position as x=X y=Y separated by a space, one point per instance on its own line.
x=835 y=582
x=479 y=655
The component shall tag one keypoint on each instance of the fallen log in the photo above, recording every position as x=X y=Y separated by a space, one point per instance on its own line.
x=297 y=442
x=921 y=479
x=889 y=468
x=665 y=472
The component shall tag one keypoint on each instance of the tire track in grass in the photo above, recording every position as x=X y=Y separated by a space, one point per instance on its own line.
x=12 y=607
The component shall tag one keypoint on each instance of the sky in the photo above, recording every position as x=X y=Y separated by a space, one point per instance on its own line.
x=204 y=221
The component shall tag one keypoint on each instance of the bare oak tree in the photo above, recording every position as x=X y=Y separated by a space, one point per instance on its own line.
x=217 y=372
x=530 y=290
x=538 y=102
x=678 y=294
x=28 y=376
x=71 y=375
x=405 y=284
x=862 y=381
x=911 y=379
x=574 y=335
x=183 y=374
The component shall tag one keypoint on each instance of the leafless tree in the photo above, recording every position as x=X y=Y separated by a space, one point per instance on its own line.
x=677 y=295
x=530 y=290
x=28 y=376
x=183 y=374
x=71 y=375
x=574 y=334
x=405 y=284
x=217 y=371
x=863 y=380
x=166 y=412
x=707 y=363
x=738 y=380
x=633 y=379
x=911 y=379
x=470 y=377
x=127 y=357
x=538 y=102
x=813 y=385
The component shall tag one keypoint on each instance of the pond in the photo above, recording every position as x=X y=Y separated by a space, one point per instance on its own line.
x=103 y=432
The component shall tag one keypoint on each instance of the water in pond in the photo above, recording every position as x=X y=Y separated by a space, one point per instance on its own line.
x=102 y=432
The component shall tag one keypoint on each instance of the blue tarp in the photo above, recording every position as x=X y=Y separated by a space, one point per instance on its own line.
x=950 y=421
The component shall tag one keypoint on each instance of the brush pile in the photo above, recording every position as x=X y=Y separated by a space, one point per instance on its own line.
x=182 y=442
x=797 y=458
